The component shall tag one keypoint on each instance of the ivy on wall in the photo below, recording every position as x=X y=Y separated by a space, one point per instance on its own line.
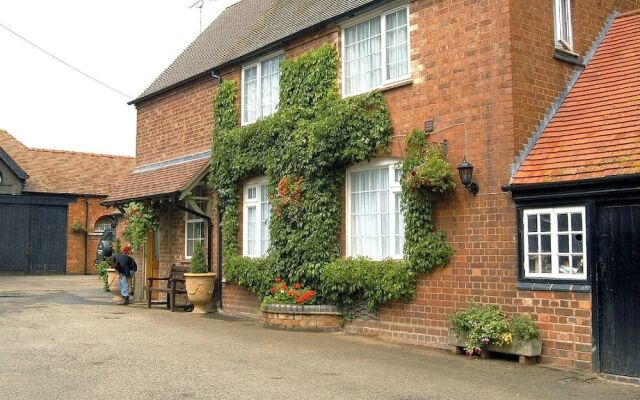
x=304 y=149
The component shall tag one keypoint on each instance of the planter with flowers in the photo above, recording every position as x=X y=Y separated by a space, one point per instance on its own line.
x=480 y=330
x=292 y=308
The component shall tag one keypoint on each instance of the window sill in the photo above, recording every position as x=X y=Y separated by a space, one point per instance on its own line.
x=555 y=287
x=567 y=56
x=388 y=86
x=394 y=85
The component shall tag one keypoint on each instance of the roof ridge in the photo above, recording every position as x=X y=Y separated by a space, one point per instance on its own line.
x=83 y=153
x=630 y=13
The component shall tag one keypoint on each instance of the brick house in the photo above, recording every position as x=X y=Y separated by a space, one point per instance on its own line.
x=43 y=195
x=486 y=75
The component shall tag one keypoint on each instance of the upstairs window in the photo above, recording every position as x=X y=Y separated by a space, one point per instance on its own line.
x=554 y=243
x=257 y=211
x=260 y=88
x=376 y=52
x=563 y=31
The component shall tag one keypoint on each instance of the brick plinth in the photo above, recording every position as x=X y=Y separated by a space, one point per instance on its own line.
x=310 y=318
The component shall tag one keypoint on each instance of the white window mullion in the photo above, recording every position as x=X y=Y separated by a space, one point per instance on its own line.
x=383 y=52
x=258 y=91
x=554 y=245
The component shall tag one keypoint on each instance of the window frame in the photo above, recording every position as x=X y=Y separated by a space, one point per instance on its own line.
x=255 y=183
x=555 y=275
x=96 y=229
x=394 y=188
x=558 y=14
x=194 y=219
x=258 y=64
x=382 y=14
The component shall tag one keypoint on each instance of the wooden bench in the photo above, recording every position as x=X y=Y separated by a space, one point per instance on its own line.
x=175 y=285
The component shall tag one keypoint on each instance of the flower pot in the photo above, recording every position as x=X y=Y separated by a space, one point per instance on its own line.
x=199 y=290
x=519 y=347
x=113 y=278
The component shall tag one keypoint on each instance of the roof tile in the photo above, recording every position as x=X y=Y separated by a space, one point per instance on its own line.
x=596 y=131
x=65 y=172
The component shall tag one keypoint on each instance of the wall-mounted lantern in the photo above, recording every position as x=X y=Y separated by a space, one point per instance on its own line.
x=465 y=169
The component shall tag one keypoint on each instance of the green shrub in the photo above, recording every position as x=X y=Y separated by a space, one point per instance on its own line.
x=523 y=327
x=198 y=263
x=254 y=273
x=348 y=280
x=103 y=274
x=488 y=324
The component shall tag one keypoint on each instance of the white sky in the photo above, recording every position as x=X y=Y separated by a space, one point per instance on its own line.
x=124 y=43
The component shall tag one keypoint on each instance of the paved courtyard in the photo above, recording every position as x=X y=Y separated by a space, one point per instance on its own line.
x=63 y=339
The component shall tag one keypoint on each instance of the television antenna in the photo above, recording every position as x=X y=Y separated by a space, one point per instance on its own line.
x=198 y=4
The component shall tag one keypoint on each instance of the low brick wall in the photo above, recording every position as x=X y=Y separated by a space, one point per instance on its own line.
x=314 y=318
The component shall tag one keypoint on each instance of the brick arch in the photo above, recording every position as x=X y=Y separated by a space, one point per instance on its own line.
x=101 y=220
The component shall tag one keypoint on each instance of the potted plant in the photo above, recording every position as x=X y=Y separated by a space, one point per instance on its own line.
x=477 y=328
x=199 y=281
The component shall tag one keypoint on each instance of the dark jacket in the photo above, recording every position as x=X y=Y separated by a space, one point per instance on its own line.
x=125 y=264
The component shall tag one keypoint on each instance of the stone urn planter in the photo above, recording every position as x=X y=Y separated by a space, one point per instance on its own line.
x=199 y=290
x=526 y=350
x=113 y=278
x=310 y=318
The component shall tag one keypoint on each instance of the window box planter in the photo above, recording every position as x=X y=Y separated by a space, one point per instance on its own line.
x=526 y=350
x=309 y=318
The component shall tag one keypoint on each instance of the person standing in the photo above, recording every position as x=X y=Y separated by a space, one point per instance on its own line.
x=126 y=267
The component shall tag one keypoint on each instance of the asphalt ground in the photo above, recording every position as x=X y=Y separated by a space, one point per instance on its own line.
x=62 y=338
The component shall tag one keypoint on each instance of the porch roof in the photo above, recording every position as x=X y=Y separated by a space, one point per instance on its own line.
x=162 y=180
x=595 y=133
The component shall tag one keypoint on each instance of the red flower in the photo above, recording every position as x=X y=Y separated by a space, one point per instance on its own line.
x=278 y=279
x=297 y=285
x=273 y=289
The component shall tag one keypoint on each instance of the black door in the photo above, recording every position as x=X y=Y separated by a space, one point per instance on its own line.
x=619 y=289
x=48 y=239
x=33 y=239
x=14 y=238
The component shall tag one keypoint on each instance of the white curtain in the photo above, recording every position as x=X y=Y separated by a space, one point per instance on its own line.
x=363 y=56
x=397 y=44
x=250 y=94
x=265 y=213
x=251 y=231
x=370 y=213
x=270 y=85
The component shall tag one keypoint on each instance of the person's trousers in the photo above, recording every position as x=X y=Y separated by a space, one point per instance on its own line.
x=124 y=285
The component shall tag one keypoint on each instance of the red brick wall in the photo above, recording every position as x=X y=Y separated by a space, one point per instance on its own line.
x=85 y=210
x=484 y=71
x=238 y=300
x=175 y=124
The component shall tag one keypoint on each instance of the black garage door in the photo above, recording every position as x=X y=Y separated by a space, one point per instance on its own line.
x=619 y=289
x=33 y=239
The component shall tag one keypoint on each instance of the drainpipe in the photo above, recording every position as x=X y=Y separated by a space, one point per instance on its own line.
x=219 y=251
x=86 y=231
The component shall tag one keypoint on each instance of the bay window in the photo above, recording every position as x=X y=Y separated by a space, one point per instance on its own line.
x=375 y=224
x=260 y=88
x=554 y=243
x=376 y=52
x=257 y=211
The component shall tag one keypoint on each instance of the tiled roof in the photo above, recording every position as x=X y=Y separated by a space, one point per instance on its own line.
x=596 y=132
x=157 y=182
x=65 y=172
x=246 y=27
